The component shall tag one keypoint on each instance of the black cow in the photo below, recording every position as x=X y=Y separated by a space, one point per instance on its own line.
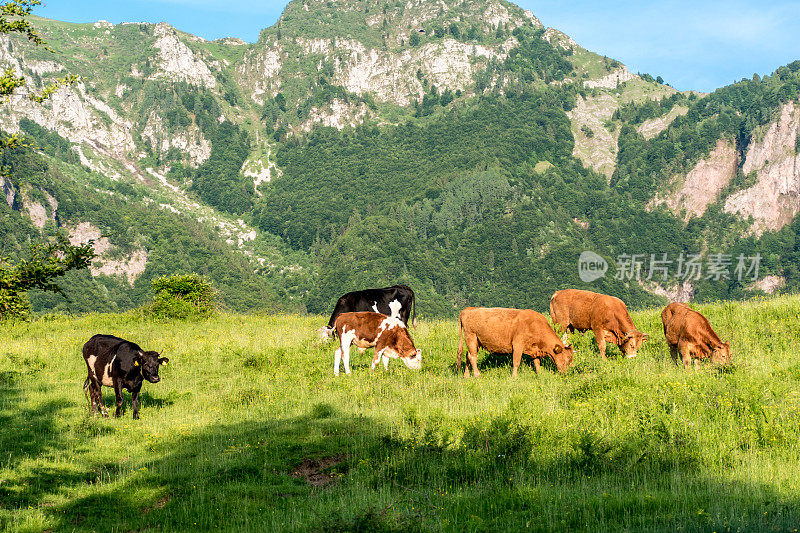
x=396 y=301
x=118 y=363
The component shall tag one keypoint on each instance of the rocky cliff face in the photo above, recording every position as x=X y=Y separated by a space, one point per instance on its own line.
x=177 y=61
x=130 y=266
x=702 y=185
x=652 y=127
x=774 y=200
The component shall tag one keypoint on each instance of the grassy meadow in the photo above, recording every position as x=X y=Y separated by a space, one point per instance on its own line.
x=250 y=431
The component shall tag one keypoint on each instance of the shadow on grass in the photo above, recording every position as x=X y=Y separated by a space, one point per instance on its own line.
x=503 y=476
x=33 y=441
x=25 y=435
x=490 y=361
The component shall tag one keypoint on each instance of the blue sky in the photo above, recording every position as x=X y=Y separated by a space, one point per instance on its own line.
x=697 y=45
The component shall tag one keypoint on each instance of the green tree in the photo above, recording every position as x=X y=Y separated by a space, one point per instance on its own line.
x=46 y=262
x=183 y=296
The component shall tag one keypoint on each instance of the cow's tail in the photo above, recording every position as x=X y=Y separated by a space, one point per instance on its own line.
x=413 y=310
x=86 y=392
x=460 y=351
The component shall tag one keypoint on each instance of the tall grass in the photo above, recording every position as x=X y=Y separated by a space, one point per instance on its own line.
x=248 y=401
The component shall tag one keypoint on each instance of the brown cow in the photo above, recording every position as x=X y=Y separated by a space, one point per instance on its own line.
x=690 y=334
x=366 y=329
x=514 y=331
x=606 y=316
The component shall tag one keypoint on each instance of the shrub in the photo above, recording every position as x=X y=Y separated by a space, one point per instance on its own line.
x=183 y=296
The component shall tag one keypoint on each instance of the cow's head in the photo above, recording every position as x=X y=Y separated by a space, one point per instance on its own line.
x=721 y=354
x=563 y=357
x=631 y=342
x=150 y=361
x=325 y=333
x=414 y=361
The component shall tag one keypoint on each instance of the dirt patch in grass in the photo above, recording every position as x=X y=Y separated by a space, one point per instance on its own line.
x=319 y=472
x=164 y=500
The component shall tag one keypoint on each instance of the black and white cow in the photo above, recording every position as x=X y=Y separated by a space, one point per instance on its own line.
x=396 y=301
x=121 y=364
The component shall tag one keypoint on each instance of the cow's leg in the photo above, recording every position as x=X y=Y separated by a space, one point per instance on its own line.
x=516 y=359
x=346 y=360
x=337 y=358
x=536 y=364
x=87 y=392
x=90 y=387
x=686 y=354
x=120 y=398
x=600 y=337
x=344 y=344
x=385 y=363
x=376 y=358
x=564 y=331
x=472 y=355
x=673 y=352
x=135 y=402
x=98 y=398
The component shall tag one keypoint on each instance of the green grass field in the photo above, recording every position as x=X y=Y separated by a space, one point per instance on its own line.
x=249 y=430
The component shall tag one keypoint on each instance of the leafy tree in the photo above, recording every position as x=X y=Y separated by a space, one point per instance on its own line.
x=46 y=262
x=183 y=296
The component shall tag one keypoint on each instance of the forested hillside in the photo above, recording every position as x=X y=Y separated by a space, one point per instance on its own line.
x=465 y=149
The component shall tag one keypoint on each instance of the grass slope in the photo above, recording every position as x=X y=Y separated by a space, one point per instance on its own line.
x=249 y=400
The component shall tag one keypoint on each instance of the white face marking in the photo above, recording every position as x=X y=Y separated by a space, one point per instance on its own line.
x=414 y=363
x=375 y=307
x=395 y=306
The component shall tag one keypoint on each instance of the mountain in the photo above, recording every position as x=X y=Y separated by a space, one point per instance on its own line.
x=459 y=146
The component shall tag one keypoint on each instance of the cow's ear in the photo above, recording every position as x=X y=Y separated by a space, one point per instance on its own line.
x=645 y=336
x=163 y=360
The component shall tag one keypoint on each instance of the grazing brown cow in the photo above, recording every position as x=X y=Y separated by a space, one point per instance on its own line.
x=514 y=331
x=366 y=329
x=689 y=334
x=606 y=316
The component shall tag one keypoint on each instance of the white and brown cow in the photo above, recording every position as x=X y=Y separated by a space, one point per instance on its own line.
x=396 y=301
x=120 y=364
x=388 y=335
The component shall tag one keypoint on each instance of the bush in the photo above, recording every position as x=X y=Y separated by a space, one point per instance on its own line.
x=183 y=296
